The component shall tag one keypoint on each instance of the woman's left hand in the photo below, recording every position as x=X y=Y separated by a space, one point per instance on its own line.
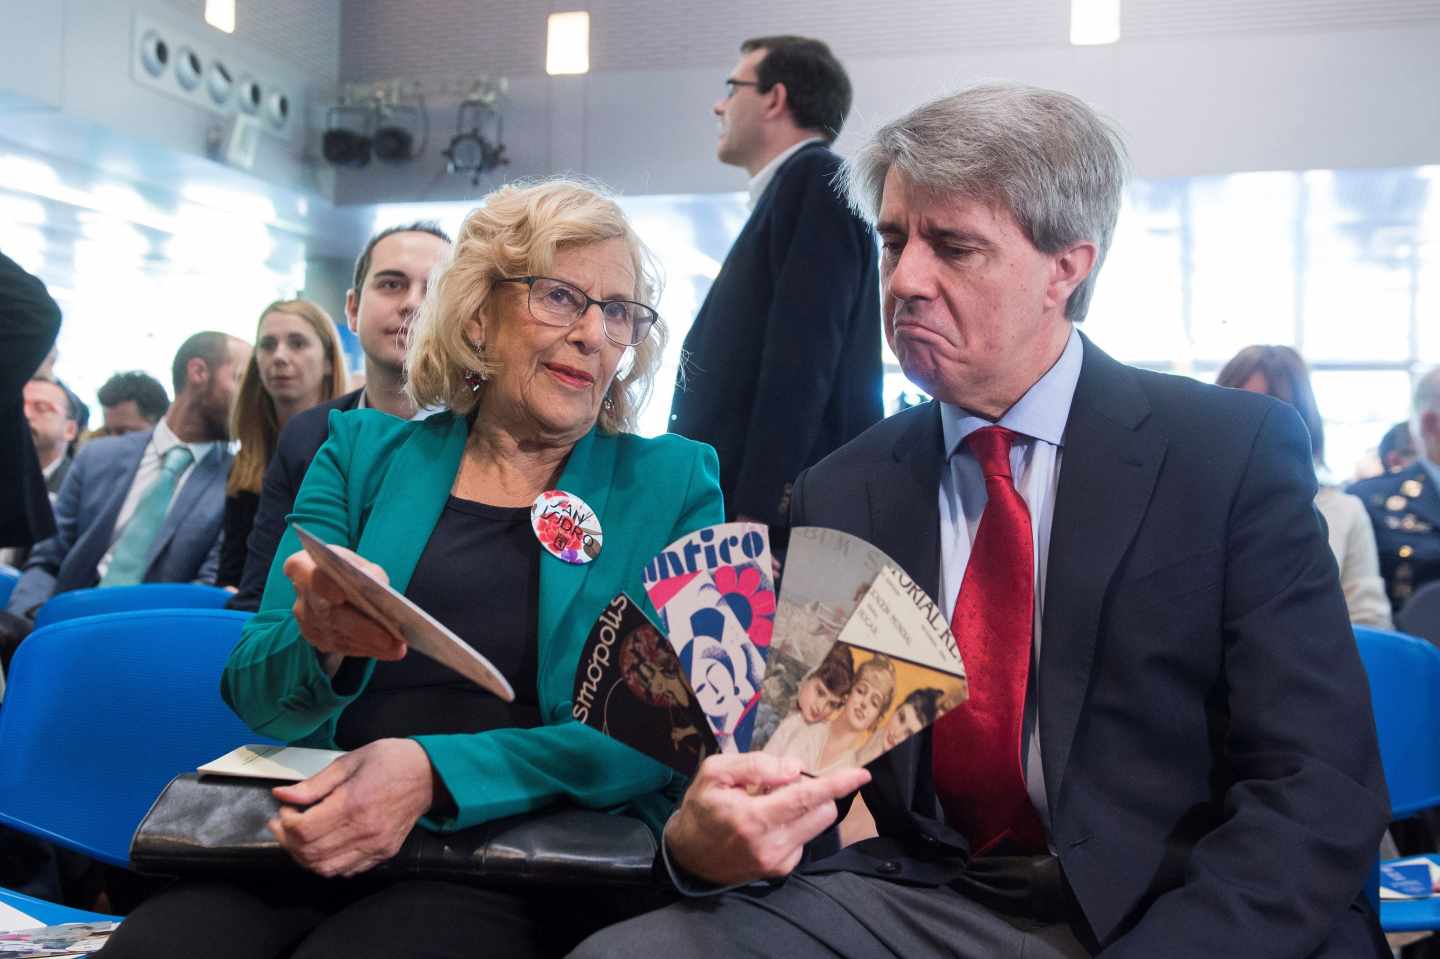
x=361 y=808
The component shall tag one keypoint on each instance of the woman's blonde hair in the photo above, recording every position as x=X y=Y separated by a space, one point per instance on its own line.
x=254 y=421
x=516 y=231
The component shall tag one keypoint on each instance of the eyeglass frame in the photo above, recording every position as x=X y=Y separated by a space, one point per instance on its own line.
x=590 y=301
x=733 y=83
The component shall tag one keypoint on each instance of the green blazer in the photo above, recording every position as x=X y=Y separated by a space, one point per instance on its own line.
x=378 y=486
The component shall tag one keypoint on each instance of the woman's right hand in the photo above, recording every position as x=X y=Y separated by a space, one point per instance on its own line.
x=329 y=621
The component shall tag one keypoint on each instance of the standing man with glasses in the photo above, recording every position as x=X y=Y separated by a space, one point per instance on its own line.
x=783 y=361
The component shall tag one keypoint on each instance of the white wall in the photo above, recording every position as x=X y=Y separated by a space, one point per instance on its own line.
x=1201 y=104
x=71 y=59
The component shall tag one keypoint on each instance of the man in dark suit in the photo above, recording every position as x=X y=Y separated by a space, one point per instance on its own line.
x=50 y=409
x=1168 y=748
x=782 y=364
x=145 y=507
x=392 y=274
x=29 y=323
x=1404 y=505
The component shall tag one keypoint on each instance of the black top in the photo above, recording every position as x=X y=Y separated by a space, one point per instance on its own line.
x=239 y=517
x=480 y=576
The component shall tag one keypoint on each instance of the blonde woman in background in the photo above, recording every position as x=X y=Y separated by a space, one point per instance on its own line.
x=297 y=364
x=1280 y=372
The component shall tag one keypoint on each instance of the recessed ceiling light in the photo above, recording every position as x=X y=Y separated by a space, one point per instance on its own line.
x=1094 y=22
x=220 y=14
x=567 y=47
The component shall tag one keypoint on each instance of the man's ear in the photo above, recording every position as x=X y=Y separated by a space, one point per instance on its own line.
x=197 y=372
x=71 y=428
x=1069 y=268
x=352 y=310
x=777 y=102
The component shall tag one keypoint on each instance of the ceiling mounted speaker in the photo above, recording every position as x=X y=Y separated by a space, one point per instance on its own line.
x=188 y=69
x=277 y=109
x=154 y=53
x=219 y=83
x=248 y=93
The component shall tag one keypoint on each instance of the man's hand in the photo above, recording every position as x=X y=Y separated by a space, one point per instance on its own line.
x=361 y=808
x=749 y=816
x=328 y=620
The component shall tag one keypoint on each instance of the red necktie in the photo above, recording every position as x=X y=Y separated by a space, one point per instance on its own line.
x=979 y=772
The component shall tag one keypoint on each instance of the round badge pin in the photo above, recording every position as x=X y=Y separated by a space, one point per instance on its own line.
x=567 y=527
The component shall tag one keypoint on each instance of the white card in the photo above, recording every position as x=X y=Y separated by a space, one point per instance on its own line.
x=285 y=763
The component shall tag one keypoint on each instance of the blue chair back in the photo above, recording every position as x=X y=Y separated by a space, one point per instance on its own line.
x=124 y=599
x=102 y=712
x=1404 y=675
x=9 y=576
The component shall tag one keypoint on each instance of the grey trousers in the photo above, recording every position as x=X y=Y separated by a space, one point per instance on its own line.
x=832 y=914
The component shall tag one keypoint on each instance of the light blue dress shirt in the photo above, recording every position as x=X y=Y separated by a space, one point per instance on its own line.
x=1039 y=418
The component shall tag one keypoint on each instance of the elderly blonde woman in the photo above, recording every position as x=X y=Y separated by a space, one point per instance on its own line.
x=539 y=337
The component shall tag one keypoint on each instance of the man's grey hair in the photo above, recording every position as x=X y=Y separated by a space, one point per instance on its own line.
x=1047 y=157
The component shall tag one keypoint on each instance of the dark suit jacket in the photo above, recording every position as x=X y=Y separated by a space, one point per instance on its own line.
x=187 y=548
x=297 y=445
x=29 y=323
x=784 y=356
x=1208 y=747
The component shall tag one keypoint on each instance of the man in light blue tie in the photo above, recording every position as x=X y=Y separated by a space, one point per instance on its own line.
x=145 y=507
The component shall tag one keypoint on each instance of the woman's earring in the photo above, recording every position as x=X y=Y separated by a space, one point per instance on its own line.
x=608 y=404
x=473 y=378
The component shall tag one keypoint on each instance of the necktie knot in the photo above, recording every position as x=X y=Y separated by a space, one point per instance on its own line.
x=176 y=460
x=990 y=445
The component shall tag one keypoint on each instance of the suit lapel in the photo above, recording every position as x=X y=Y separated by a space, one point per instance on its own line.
x=118 y=476
x=210 y=471
x=904 y=503
x=905 y=500
x=589 y=474
x=1107 y=477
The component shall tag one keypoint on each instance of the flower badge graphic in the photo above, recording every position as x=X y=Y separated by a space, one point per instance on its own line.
x=566 y=527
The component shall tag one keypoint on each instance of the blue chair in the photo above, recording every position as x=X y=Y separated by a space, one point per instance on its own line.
x=1404 y=675
x=48 y=913
x=102 y=712
x=9 y=576
x=123 y=599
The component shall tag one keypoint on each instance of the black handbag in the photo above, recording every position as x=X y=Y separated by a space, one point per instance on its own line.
x=207 y=824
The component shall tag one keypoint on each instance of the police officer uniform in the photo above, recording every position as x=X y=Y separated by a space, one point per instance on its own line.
x=1404 y=507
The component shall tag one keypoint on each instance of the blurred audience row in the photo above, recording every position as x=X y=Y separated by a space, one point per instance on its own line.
x=269 y=404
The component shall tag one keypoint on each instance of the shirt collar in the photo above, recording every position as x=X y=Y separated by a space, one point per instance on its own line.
x=761 y=180
x=55 y=464
x=164 y=439
x=1040 y=414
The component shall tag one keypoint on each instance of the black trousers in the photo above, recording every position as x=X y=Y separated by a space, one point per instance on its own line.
x=306 y=917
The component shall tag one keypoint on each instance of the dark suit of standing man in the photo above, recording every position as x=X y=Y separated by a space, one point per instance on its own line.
x=29 y=323
x=1192 y=769
x=783 y=361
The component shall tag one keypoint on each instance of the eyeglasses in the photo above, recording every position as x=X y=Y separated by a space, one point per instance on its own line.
x=557 y=303
x=730 y=86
